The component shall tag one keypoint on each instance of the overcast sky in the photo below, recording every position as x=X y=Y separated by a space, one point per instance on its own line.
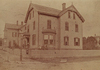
x=13 y=10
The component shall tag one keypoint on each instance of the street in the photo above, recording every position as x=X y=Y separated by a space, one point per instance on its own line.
x=12 y=62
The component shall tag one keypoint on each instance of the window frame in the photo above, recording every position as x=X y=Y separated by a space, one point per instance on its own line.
x=76 y=42
x=48 y=24
x=74 y=17
x=69 y=16
x=76 y=28
x=34 y=39
x=34 y=25
x=66 y=37
x=66 y=26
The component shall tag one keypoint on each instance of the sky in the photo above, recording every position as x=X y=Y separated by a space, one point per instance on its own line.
x=13 y=10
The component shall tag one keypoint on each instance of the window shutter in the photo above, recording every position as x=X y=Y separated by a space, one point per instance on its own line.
x=64 y=40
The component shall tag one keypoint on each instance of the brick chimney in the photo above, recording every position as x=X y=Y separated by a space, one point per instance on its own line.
x=17 y=22
x=22 y=23
x=63 y=6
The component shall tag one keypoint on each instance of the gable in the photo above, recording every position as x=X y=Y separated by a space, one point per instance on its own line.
x=42 y=10
x=73 y=9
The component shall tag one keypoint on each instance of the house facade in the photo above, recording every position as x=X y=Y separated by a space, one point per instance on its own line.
x=55 y=29
x=11 y=34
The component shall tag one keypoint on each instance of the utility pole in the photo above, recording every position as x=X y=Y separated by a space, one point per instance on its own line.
x=20 y=53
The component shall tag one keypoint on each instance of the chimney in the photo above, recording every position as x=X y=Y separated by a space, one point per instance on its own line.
x=22 y=23
x=17 y=22
x=63 y=6
x=95 y=35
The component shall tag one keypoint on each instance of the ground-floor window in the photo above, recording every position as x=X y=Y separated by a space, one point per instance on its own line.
x=66 y=40
x=48 y=39
x=76 y=41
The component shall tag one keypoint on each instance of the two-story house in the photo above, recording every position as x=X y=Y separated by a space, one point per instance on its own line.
x=11 y=34
x=58 y=29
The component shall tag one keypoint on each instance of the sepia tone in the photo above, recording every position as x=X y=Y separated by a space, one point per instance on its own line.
x=41 y=36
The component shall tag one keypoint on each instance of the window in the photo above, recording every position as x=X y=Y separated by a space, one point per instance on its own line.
x=68 y=14
x=28 y=29
x=46 y=37
x=12 y=34
x=76 y=28
x=33 y=39
x=13 y=42
x=66 y=26
x=66 y=40
x=49 y=24
x=33 y=13
x=15 y=34
x=76 y=41
x=30 y=16
x=51 y=39
x=34 y=25
x=73 y=15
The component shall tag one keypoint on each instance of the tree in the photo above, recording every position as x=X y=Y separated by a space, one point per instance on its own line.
x=89 y=43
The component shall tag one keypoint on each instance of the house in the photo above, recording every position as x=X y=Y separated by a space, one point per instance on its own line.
x=97 y=41
x=51 y=28
x=1 y=41
x=11 y=34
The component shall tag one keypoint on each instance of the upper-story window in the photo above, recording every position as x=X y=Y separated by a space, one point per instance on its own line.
x=15 y=34
x=33 y=13
x=69 y=14
x=76 y=41
x=76 y=27
x=73 y=15
x=12 y=34
x=30 y=15
x=28 y=29
x=48 y=24
x=66 y=40
x=66 y=26
x=34 y=25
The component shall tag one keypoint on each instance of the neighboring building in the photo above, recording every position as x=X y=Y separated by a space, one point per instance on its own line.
x=1 y=41
x=11 y=34
x=98 y=41
x=55 y=29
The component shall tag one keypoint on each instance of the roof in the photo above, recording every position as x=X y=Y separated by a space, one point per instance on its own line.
x=51 y=11
x=12 y=26
x=47 y=10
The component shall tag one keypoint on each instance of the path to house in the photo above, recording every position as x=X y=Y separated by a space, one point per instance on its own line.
x=11 y=62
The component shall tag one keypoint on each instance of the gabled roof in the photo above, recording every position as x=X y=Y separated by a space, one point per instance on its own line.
x=51 y=11
x=12 y=26
x=43 y=9
x=72 y=8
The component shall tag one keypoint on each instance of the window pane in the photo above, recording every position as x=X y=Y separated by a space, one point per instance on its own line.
x=66 y=26
x=45 y=36
x=76 y=39
x=68 y=14
x=45 y=41
x=51 y=41
x=48 y=24
x=51 y=37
